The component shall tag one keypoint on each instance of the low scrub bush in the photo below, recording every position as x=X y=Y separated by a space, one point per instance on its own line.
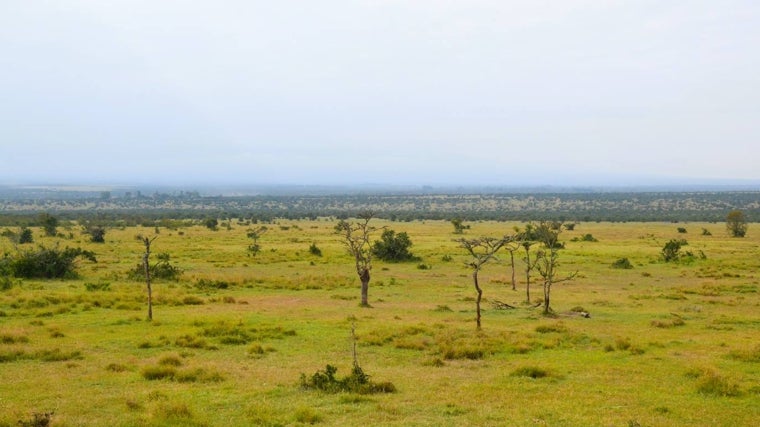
x=45 y=263
x=622 y=263
x=357 y=382
x=208 y=285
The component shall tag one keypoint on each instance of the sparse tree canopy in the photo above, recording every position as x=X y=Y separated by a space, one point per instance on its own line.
x=459 y=226
x=254 y=234
x=356 y=237
x=481 y=251
x=547 y=259
x=736 y=223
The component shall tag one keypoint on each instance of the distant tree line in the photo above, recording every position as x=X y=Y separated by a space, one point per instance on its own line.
x=168 y=210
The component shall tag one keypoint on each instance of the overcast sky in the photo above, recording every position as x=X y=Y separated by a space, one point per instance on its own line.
x=387 y=91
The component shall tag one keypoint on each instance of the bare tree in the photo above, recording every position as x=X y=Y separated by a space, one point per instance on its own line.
x=527 y=238
x=547 y=260
x=146 y=265
x=481 y=250
x=356 y=237
x=512 y=247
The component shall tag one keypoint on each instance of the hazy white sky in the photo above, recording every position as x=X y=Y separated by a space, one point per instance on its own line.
x=386 y=91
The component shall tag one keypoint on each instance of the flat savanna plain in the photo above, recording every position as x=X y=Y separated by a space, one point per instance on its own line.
x=666 y=343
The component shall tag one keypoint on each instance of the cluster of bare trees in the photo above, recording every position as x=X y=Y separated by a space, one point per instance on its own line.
x=545 y=260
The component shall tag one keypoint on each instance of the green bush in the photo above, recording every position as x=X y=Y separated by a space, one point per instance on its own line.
x=314 y=250
x=45 y=263
x=161 y=270
x=357 y=382
x=393 y=247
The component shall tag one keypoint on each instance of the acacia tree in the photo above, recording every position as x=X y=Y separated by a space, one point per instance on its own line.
x=547 y=260
x=481 y=250
x=736 y=223
x=254 y=234
x=356 y=237
x=146 y=266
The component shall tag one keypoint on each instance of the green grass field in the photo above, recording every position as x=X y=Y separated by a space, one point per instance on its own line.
x=666 y=344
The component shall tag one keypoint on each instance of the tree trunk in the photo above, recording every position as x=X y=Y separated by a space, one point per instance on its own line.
x=547 y=292
x=512 y=259
x=480 y=296
x=146 y=265
x=364 y=277
x=527 y=276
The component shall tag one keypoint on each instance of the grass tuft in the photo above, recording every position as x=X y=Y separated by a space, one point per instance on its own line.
x=530 y=372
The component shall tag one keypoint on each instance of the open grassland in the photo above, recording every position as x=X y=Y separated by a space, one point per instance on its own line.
x=666 y=343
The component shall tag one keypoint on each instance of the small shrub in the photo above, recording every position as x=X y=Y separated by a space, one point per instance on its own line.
x=357 y=382
x=206 y=284
x=622 y=263
x=423 y=266
x=446 y=258
x=530 y=372
x=314 y=250
x=42 y=419
x=681 y=230
x=706 y=232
